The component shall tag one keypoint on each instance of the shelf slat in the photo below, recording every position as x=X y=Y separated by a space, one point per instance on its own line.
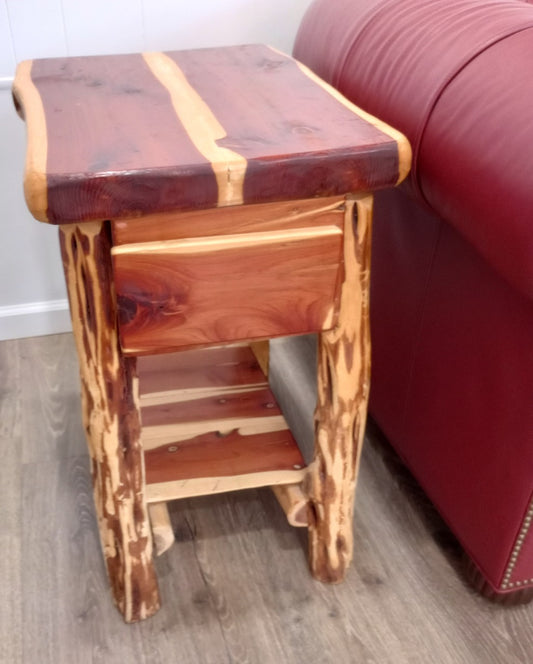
x=214 y=429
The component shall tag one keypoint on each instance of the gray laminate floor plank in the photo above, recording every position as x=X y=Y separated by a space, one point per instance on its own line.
x=235 y=586
x=11 y=537
x=50 y=399
x=10 y=389
x=10 y=503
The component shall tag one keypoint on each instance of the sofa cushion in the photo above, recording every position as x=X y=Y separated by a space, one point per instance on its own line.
x=398 y=59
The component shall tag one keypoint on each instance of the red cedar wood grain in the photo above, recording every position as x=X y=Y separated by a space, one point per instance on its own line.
x=213 y=367
x=235 y=219
x=259 y=403
x=222 y=455
x=214 y=453
x=298 y=140
x=170 y=301
x=116 y=148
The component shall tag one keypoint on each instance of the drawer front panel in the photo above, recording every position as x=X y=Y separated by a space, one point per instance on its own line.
x=207 y=290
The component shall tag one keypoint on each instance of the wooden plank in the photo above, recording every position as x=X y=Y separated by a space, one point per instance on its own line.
x=155 y=437
x=110 y=412
x=340 y=416
x=196 y=292
x=236 y=361
x=298 y=140
x=131 y=135
x=202 y=127
x=204 y=486
x=192 y=394
x=215 y=454
x=194 y=374
x=249 y=412
x=263 y=217
x=112 y=141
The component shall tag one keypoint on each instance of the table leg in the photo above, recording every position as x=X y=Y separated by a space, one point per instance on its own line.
x=340 y=416
x=111 y=420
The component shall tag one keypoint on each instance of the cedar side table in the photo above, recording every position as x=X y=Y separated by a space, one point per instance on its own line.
x=207 y=201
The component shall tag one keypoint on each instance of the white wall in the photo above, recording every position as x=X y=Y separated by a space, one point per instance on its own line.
x=32 y=293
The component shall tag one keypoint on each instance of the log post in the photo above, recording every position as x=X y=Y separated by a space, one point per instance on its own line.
x=340 y=416
x=111 y=420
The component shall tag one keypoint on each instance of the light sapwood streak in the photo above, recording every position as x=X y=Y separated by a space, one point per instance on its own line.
x=194 y=393
x=203 y=128
x=222 y=243
x=27 y=97
x=201 y=486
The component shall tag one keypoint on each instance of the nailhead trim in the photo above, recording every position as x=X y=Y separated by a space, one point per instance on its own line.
x=506 y=585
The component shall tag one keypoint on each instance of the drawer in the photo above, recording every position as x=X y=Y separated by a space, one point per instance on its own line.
x=189 y=286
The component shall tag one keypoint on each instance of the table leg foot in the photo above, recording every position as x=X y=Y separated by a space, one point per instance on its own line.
x=111 y=419
x=340 y=416
x=293 y=502
x=161 y=527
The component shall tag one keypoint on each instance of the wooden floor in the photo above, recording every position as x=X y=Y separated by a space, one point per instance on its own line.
x=235 y=586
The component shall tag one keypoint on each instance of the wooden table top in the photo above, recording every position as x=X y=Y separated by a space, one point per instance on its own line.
x=120 y=136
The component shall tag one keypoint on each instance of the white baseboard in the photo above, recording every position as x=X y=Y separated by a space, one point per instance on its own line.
x=6 y=82
x=34 y=319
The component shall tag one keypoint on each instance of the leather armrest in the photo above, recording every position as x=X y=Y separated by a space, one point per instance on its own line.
x=452 y=75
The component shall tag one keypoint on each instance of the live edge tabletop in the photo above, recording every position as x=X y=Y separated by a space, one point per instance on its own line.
x=208 y=199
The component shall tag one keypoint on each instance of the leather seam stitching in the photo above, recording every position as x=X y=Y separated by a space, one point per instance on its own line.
x=524 y=530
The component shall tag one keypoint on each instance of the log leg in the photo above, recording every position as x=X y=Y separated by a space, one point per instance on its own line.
x=340 y=416
x=111 y=420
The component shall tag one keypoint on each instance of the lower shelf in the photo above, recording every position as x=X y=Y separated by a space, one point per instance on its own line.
x=211 y=424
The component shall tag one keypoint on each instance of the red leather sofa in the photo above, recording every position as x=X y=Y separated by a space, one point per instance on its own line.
x=452 y=281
